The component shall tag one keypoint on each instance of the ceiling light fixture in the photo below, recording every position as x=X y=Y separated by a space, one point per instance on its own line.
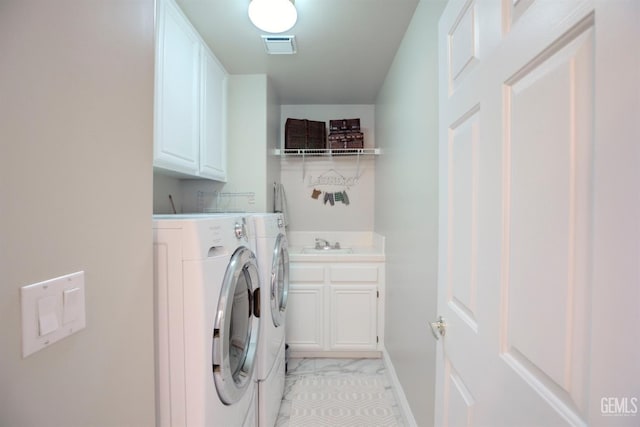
x=273 y=16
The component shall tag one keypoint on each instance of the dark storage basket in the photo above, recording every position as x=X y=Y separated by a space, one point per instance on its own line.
x=355 y=143
x=344 y=125
x=336 y=144
x=295 y=134
x=305 y=134
x=316 y=135
x=346 y=140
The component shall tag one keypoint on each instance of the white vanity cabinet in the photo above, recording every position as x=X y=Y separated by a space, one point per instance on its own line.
x=335 y=307
x=189 y=129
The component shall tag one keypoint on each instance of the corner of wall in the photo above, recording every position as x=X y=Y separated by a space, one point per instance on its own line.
x=406 y=117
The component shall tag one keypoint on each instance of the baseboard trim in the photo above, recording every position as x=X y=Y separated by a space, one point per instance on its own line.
x=336 y=354
x=398 y=391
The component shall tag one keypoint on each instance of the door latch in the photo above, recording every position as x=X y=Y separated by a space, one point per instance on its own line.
x=439 y=328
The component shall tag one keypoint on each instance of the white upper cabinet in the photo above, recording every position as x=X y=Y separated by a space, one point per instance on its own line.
x=213 y=147
x=176 y=145
x=189 y=135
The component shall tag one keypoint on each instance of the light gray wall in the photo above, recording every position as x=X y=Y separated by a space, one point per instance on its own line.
x=301 y=177
x=163 y=186
x=406 y=205
x=253 y=117
x=247 y=139
x=273 y=142
x=305 y=213
x=76 y=111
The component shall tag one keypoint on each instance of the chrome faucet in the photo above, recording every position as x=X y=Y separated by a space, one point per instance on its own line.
x=322 y=244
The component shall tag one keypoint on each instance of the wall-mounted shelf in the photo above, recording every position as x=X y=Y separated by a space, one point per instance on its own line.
x=327 y=152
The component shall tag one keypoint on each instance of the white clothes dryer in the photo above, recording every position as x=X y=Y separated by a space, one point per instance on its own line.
x=273 y=260
x=207 y=325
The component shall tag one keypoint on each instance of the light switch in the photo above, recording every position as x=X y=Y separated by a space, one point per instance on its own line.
x=47 y=315
x=51 y=311
x=71 y=305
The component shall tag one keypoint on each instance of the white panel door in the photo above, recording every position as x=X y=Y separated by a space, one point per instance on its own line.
x=539 y=213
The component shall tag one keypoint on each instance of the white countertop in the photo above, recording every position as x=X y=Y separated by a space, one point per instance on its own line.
x=365 y=246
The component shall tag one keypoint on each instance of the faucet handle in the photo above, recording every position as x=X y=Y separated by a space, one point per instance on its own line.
x=322 y=244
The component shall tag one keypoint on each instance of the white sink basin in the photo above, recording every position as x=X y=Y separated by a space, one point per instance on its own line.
x=330 y=251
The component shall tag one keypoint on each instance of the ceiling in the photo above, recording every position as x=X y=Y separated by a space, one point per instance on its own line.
x=345 y=47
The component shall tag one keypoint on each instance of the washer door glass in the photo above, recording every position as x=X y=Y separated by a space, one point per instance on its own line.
x=279 y=280
x=235 y=332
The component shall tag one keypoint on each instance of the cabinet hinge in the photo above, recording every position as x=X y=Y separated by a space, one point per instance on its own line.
x=377 y=294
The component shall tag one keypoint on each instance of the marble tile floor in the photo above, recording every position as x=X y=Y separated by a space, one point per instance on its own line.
x=299 y=368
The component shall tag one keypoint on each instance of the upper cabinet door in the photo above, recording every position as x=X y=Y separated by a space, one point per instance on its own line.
x=213 y=147
x=177 y=101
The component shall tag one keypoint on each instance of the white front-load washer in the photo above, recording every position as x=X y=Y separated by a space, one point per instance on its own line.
x=207 y=325
x=273 y=260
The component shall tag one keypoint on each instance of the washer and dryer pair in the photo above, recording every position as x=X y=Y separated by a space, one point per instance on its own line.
x=215 y=307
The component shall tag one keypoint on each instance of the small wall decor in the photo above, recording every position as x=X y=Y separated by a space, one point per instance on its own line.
x=332 y=178
x=341 y=197
x=332 y=198
x=328 y=197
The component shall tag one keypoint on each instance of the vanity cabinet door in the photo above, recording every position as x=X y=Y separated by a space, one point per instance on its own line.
x=353 y=319
x=305 y=322
x=305 y=317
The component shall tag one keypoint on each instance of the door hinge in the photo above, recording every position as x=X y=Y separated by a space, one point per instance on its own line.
x=377 y=339
x=377 y=294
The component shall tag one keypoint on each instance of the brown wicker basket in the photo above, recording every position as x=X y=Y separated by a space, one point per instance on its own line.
x=346 y=140
x=305 y=134
x=344 y=125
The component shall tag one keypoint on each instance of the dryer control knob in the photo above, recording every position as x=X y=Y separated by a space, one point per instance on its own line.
x=239 y=230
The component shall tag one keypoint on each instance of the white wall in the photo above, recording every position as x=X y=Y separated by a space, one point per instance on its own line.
x=406 y=210
x=76 y=137
x=330 y=175
x=247 y=125
x=163 y=186
x=253 y=117
x=273 y=142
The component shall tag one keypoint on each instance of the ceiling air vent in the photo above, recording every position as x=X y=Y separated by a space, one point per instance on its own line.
x=280 y=45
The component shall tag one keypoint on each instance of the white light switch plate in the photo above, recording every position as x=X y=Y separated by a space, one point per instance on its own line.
x=51 y=310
